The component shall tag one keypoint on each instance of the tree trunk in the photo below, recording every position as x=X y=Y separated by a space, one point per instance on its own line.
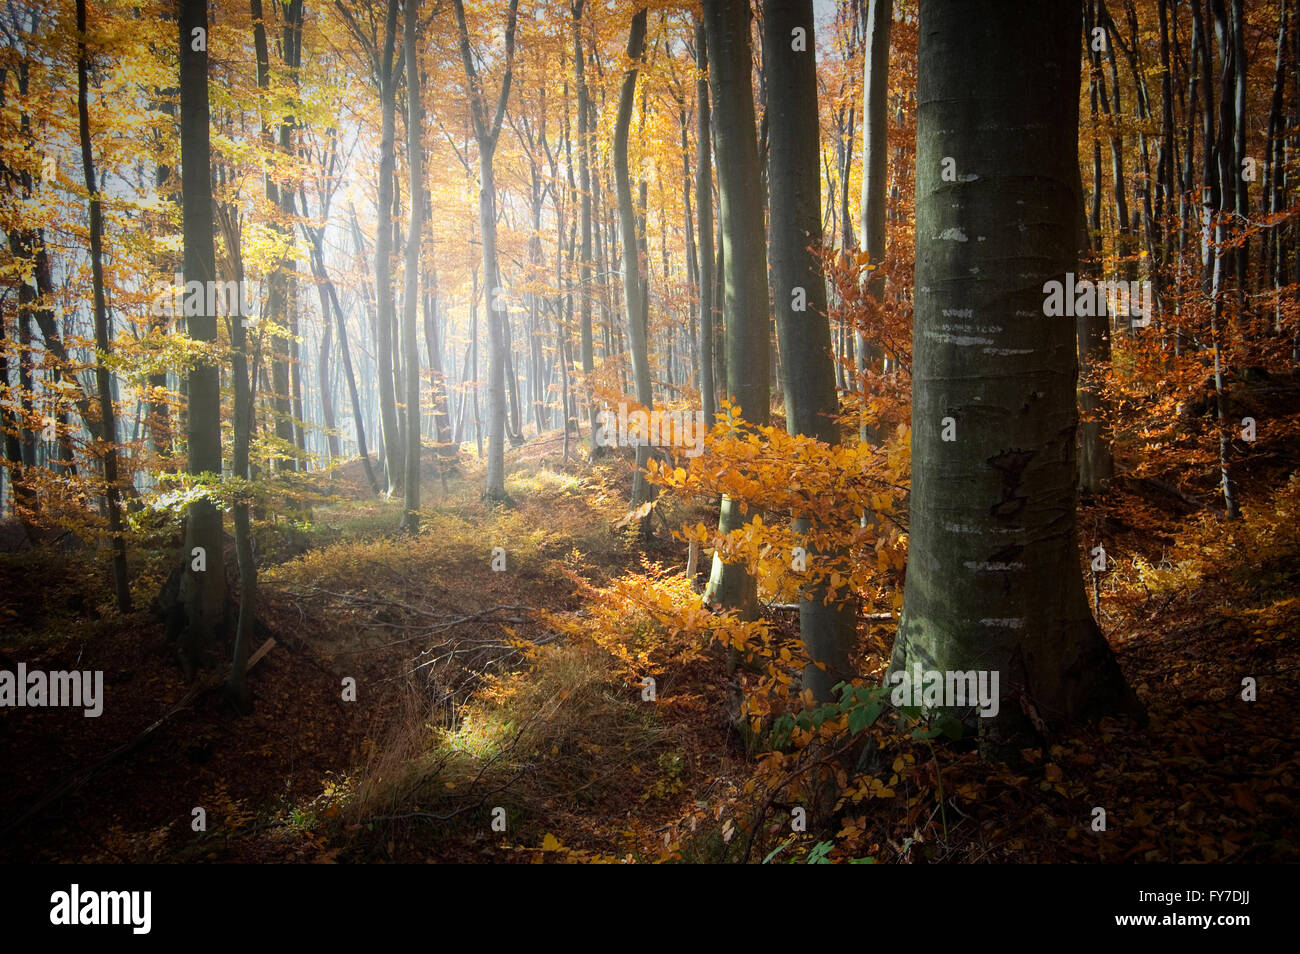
x=1096 y=461
x=726 y=23
x=994 y=579
x=103 y=379
x=237 y=690
x=411 y=299
x=433 y=344
x=829 y=629
x=633 y=276
x=203 y=591
x=393 y=457
x=875 y=145
x=704 y=205
x=487 y=129
x=325 y=382
x=1242 y=256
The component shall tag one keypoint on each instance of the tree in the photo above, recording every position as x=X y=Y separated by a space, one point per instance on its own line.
x=388 y=74
x=803 y=329
x=243 y=421
x=748 y=343
x=994 y=579
x=411 y=299
x=875 y=147
x=704 y=206
x=584 y=187
x=634 y=278
x=103 y=379
x=487 y=130
x=203 y=580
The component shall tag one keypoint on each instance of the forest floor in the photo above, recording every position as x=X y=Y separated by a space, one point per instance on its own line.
x=472 y=704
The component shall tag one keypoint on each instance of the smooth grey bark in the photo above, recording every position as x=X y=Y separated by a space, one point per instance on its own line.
x=411 y=299
x=744 y=271
x=875 y=146
x=291 y=56
x=202 y=593
x=487 y=130
x=584 y=263
x=829 y=629
x=1229 y=174
x=704 y=207
x=634 y=279
x=393 y=446
x=994 y=580
x=103 y=379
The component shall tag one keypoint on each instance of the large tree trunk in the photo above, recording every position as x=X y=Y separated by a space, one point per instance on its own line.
x=203 y=592
x=808 y=376
x=994 y=579
x=103 y=379
x=383 y=250
x=634 y=279
x=411 y=298
x=726 y=23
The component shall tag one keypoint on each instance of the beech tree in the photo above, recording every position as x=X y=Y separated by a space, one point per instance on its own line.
x=994 y=580
x=411 y=295
x=203 y=580
x=385 y=312
x=828 y=625
x=487 y=130
x=748 y=342
x=103 y=378
x=634 y=277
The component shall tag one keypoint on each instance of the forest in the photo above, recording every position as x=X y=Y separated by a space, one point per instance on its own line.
x=649 y=431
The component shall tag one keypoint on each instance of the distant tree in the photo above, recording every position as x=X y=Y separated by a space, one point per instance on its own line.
x=487 y=130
